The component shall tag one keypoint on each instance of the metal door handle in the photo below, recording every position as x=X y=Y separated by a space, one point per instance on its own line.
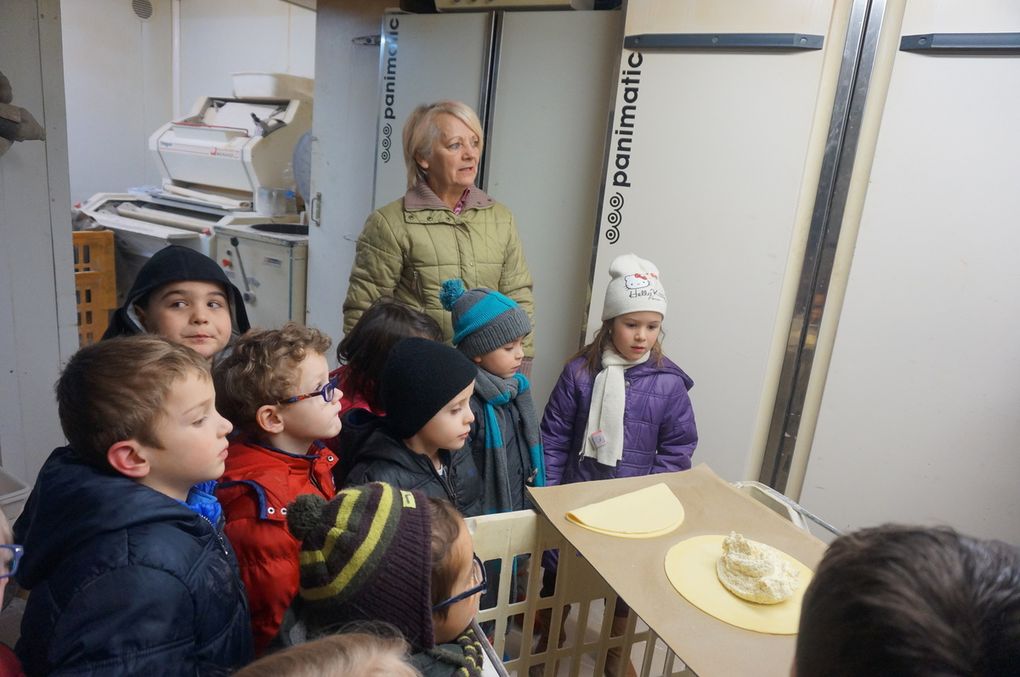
x=724 y=41
x=986 y=43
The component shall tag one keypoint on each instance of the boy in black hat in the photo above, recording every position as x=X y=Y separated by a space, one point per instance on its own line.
x=185 y=297
x=425 y=388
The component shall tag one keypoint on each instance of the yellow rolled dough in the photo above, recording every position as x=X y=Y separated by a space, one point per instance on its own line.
x=691 y=568
x=646 y=513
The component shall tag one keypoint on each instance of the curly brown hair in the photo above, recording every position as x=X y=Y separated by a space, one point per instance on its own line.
x=262 y=369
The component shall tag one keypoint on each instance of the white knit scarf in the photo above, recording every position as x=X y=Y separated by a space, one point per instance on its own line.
x=608 y=399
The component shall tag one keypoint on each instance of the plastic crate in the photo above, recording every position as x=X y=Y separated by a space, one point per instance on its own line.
x=505 y=537
x=95 y=282
x=13 y=494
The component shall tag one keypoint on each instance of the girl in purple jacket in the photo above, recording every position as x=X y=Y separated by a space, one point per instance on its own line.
x=620 y=407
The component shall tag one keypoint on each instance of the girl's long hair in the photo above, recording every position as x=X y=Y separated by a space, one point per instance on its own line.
x=603 y=340
x=365 y=348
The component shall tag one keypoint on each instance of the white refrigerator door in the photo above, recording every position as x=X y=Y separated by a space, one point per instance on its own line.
x=424 y=58
x=544 y=153
x=710 y=173
x=920 y=403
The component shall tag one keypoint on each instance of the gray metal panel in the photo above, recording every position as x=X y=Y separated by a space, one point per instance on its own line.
x=826 y=221
x=424 y=58
x=545 y=150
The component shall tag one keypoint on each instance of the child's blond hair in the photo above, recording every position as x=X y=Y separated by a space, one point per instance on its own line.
x=354 y=654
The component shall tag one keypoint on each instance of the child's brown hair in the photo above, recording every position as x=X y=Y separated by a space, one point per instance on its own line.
x=912 y=601
x=446 y=526
x=367 y=345
x=602 y=341
x=262 y=369
x=115 y=390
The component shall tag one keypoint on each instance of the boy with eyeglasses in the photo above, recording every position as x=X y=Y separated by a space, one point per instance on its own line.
x=276 y=390
x=125 y=558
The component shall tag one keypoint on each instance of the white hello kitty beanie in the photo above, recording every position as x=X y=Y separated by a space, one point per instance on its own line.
x=635 y=286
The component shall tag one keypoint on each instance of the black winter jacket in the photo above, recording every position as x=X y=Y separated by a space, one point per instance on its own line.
x=369 y=452
x=124 y=580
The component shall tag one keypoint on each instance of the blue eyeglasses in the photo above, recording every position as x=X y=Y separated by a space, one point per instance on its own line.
x=326 y=392
x=10 y=557
x=477 y=577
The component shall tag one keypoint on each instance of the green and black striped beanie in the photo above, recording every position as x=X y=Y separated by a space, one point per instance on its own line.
x=365 y=556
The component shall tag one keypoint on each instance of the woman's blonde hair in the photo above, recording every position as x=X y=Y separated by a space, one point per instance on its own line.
x=421 y=132
x=354 y=654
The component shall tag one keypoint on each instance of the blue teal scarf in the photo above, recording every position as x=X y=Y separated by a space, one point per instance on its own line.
x=499 y=392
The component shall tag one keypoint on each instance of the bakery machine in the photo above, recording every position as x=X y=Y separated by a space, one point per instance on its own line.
x=227 y=191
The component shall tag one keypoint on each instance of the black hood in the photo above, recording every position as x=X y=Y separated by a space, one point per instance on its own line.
x=173 y=264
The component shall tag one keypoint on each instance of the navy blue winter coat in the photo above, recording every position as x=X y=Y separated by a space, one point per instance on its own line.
x=659 y=430
x=124 y=580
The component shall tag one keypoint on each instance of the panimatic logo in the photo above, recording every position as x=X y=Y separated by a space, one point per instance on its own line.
x=389 y=87
x=630 y=78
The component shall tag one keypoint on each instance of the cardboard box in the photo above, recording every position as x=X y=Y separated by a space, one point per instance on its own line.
x=636 y=571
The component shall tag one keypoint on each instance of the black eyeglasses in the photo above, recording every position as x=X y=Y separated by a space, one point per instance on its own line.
x=10 y=557
x=477 y=576
x=326 y=392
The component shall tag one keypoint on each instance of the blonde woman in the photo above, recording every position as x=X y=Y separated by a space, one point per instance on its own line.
x=444 y=226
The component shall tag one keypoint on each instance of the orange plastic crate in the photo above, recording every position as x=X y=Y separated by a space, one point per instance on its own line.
x=95 y=282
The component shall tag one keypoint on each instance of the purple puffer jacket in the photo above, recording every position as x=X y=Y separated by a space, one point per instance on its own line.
x=659 y=430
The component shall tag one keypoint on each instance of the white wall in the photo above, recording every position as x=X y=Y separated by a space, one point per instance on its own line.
x=220 y=37
x=37 y=316
x=120 y=74
x=118 y=86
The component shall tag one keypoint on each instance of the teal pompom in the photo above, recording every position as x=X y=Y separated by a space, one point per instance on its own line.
x=304 y=515
x=450 y=291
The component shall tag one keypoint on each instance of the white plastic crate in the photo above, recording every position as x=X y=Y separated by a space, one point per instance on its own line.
x=13 y=494
x=504 y=537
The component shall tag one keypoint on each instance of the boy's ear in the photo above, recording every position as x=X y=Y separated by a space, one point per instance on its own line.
x=477 y=359
x=268 y=418
x=140 y=314
x=128 y=458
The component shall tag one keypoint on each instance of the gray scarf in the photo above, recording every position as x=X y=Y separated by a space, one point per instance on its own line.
x=498 y=392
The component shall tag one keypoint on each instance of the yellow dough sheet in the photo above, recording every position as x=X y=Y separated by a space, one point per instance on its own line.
x=690 y=567
x=645 y=513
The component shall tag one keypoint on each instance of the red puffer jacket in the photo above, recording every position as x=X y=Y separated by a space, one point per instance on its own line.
x=255 y=489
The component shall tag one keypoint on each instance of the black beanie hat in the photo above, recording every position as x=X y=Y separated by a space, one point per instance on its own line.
x=420 y=378
x=366 y=555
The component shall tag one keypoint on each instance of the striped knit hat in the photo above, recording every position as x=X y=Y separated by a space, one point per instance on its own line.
x=365 y=556
x=483 y=319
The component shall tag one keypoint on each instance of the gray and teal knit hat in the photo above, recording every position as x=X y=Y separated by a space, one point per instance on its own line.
x=365 y=556
x=483 y=319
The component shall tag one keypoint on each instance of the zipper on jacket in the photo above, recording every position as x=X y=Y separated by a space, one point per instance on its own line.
x=418 y=289
x=217 y=533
